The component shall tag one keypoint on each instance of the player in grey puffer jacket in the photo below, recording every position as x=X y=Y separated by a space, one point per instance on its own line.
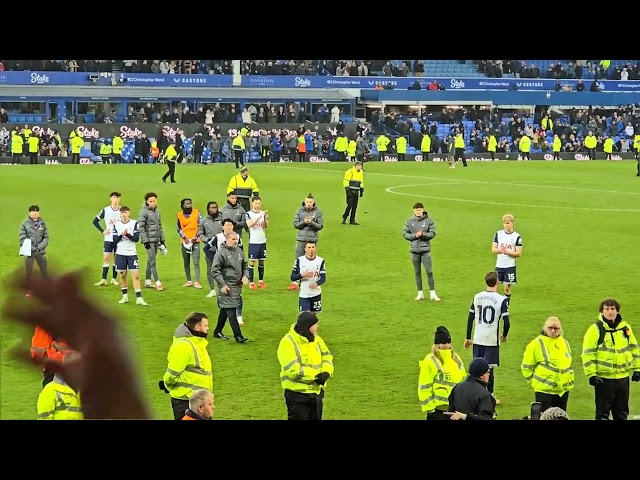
x=152 y=237
x=420 y=230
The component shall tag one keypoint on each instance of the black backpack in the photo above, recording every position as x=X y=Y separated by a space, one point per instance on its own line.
x=603 y=331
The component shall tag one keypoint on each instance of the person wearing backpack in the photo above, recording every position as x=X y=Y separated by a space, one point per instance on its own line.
x=611 y=356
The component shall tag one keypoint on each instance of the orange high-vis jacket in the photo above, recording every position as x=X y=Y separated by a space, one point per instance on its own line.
x=44 y=347
x=189 y=226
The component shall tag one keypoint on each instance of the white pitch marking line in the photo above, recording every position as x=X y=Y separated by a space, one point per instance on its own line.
x=462 y=180
x=484 y=202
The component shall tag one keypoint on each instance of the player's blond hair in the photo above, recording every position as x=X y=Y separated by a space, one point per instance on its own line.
x=507 y=218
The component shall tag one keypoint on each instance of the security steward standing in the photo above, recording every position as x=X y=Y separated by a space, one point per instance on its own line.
x=590 y=143
x=401 y=148
x=170 y=156
x=118 y=145
x=17 y=143
x=238 y=146
x=547 y=366
x=459 y=149
x=306 y=365
x=353 y=183
x=610 y=355
x=77 y=142
x=58 y=401
x=244 y=186
x=470 y=399
x=340 y=146
x=425 y=147
x=105 y=153
x=382 y=144
x=189 y=367
x=440 y=371
x=34 y=146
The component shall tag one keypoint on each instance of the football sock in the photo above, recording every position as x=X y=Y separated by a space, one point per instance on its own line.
x=125 y=291
x=138 y=293
x=491 y=381
x=251 y=273
x=105 y=271
x=261 y=271
x=115 y=272
x=508 y=295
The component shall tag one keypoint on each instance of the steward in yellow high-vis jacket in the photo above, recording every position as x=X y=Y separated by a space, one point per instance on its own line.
x=440 y=371
x=341 y=145
x=17 y=143
x=244 y=186
x=557 y=146
x=382 y=144
x=306 y=364
x=547 y=366
x=105 y=153
x=524 y=145
x=118 y=146
x=459 y=149
x=590 y=143
x=353 y=184
x=58 y=401
x=401 y=148
x=189 y=367
x=34 y=148
x=636 y=149
x=425 y=147
x=610 y=355
x=492 y=146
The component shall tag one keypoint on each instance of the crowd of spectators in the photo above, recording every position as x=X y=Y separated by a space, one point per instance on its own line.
x=562 y=69
x=621 y=124
x=258 y=113
x=213 y=67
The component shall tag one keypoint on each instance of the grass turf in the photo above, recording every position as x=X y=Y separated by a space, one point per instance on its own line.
x=578 y=221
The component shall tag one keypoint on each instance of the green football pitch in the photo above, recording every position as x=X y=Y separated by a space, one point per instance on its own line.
x=580 y=228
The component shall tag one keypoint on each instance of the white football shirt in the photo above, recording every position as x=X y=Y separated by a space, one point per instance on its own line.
x=126 y=246
x=221 y=240
x=510 y=241
x=257 y=234
x=316 y=266
x=485 y=313
x=110 y=217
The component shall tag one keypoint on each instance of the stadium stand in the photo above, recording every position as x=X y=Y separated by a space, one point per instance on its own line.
x=217 y=67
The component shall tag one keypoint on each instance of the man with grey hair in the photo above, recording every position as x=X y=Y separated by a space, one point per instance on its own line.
x=201 y=406
x=554 y=413
x=230 y=271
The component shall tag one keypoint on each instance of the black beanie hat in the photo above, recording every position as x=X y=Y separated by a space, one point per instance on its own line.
x=442 y=336
x=305 y=321
x=478 y=367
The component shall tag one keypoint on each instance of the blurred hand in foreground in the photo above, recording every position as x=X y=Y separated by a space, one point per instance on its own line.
x=103 y=372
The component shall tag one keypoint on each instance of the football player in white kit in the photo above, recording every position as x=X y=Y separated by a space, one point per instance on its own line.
x=127 y=235
x=310 y=270
x=110 y=215
x=507 y=245
x=487 y=309
x=257 y=222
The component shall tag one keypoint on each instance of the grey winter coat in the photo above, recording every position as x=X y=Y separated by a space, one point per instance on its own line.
x=210 y=227
x=229 y=266
x=215 y=145
x=37 y=232
x=422 y=224
x=308 y=232
x=236 y=213
x=150 y=225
